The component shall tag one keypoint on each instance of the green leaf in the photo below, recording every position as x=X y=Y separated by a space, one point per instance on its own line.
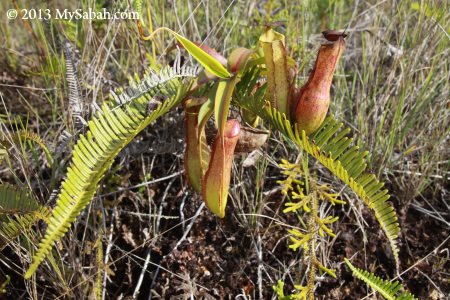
x=19 y=212
x=206 y=60
x=14 y=200
x=109 y=131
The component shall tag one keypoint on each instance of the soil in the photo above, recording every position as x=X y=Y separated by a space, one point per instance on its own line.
x=220 y=258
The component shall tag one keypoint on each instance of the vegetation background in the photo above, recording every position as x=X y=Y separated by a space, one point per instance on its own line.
x=391 y=88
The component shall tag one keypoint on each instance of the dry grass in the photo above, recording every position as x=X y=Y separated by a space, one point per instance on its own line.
x=391 y=88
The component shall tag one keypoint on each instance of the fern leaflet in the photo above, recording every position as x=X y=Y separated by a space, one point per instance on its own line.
x=16 y=201
x=24 y=208
x=76 y=103
x=386 y=288
x=25 y=135
x=109 y=131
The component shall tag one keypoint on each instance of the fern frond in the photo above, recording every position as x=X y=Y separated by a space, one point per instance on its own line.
x=137 y=6
x=76 y=103
x=109 y=131
x=26 y=135
x=387 y=289
x=245 y=90
x=16 y=201
x=333 y=149
x=21 y=136
x=152 y=82
x=25 y=209
x=17 y=225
